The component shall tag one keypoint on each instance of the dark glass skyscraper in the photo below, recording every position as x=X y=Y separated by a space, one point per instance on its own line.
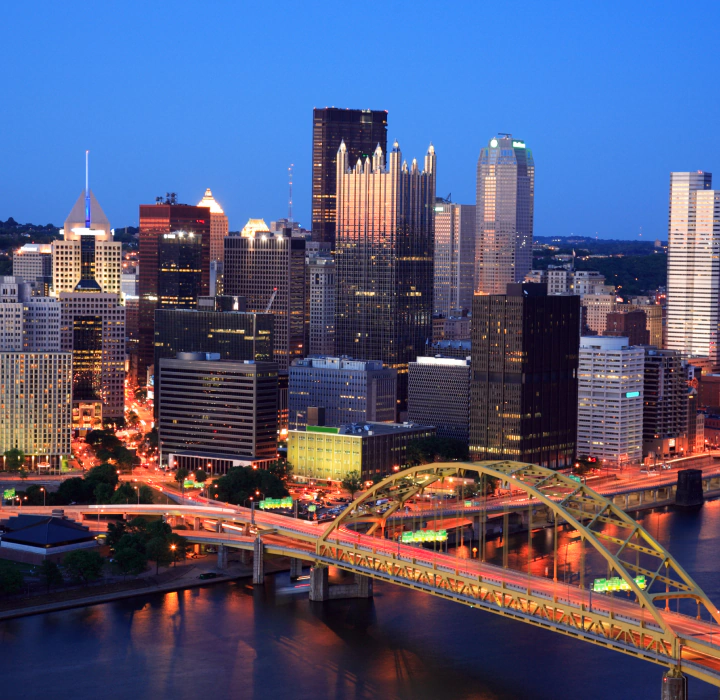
x=174 y=271
x=524 y=388
x=504 y=214
x=361 y=130
x=384 y=259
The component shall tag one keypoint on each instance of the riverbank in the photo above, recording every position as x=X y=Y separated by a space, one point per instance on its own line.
x=187 y=577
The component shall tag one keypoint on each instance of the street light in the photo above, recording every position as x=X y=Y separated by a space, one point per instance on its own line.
x=173 y=547
x=43 y=492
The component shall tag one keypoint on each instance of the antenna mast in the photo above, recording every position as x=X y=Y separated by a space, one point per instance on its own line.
x=290 y=178
x=87 y=191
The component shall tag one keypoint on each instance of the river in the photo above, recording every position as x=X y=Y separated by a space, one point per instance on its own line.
x=233 y=641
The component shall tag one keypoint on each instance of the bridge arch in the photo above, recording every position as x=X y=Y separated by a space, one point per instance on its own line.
x=611 y=532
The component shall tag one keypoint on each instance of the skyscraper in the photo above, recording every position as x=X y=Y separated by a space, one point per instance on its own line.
x=505 y=201
x=164 y=284
x=33 y=262
x=693 y=282
x=523 y=400
x=384 y=259
x=454 y=257
x=361 y=130
x=321 y=311
x=269 y=271
x=218 y=226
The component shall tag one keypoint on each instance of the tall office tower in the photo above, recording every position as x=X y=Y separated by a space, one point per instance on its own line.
x=384 y=259
x=27 y=323
x=35 y=411
x=321 y=296
x=238 y=421
x=269 y=271
x=337 y=391
x=157 y=221
x=218 y=226
x=87 y=259
x=361 y=130
x=665 y=411
x=693 y=282
x=92 y=327
x=523 y=402
x=439 y=395
x=505 y=202
x=610 y=400
x=33 y=262
x=454 y=257
x=232 y=335
x=628 y=324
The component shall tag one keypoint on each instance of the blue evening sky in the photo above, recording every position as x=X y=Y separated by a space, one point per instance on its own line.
x=180 y=96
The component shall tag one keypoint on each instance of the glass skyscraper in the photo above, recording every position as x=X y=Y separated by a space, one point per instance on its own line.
x=361 y=130
x=505 y=201
x=384 y=259
x=693 y=284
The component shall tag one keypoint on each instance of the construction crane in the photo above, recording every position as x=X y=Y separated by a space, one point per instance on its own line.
x=272 y=299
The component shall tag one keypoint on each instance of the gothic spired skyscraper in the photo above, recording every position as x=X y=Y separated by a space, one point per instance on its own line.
x=505 y=200
x=384 y=259
x=361 y=130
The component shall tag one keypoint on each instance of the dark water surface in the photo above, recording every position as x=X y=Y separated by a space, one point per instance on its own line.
x=230 y=641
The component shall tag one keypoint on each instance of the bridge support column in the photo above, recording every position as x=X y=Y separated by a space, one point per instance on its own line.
x=296 y=566
x=244 y=556
x=196 y=523
x=674 y=685
x=364 y=586
x=222 y=557
x=258 y=563
x=627 y=501
x=319 y=586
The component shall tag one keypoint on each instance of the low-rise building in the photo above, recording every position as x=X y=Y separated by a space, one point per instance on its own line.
x=371 y=449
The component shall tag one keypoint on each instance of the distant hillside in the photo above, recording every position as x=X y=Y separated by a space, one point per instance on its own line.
x=583 y=245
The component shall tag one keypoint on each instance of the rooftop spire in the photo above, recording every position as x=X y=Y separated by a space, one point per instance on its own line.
x=87 y=190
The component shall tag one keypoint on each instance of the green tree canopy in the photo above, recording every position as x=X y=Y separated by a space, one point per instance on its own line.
x=200 y=476
x=352 y=482
x=14 y=459
x=181 y=474
x=50 y=574
x=11 y=579
x=242 y=482
x=436 y=449
x=102 y=474
x=83 y=565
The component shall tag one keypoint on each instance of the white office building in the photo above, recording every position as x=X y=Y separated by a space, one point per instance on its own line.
x=610 y=400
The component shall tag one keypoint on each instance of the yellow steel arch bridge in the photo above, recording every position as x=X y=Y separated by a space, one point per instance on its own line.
x=657 y=612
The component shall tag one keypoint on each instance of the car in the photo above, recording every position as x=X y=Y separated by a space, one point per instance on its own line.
x=648 y=471
x=207 y=575
x=666 y=466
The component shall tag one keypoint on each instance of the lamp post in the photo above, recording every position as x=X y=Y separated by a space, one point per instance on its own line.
x=173 y=547
x=43 y=493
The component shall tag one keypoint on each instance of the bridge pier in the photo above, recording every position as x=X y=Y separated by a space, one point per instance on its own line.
x=244 y=556
x=674 y=685
x=258 y=563
x=321 y=589
x=222 y=557
x=296 y=566
x=689 y=488
x=196 y=523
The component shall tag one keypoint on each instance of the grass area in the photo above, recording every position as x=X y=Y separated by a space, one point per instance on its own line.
x=24 y=568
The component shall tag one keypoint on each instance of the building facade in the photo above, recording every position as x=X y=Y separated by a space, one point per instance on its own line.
x=384 y=259
x=454 y=257
x=348 y=391
x=693 y=282
x=162 y=283
x=628 y=324
x=524 y=376
x=361 y=130
x=33 y=262
x=218 y=226
x=610 y=400
x=35 y=411
x=373 y=450
x=92 y=328
x=216 y=411
x=653 y=319
x=269 y=271
x=504 y=214
x=321 y=295
x=439 y=395
x=595 y=310
x=665 y=412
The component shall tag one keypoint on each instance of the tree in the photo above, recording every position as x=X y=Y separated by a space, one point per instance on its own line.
x=50 y=574
x=131 y=560
x=158 y=550
x=352 y=482
x=435 y=449
x=124 y=493
x=146 y=495
x=133 y=419
x=124 y=457
x=240 y=483
x=103 y=494
x=11 y=579
x=180 y=475
x=102 y=474
x=34 y=494
x=115 y=531
x=200 y=476
x=14 y=459
x=23 y=473
x=74 y=490
x=281 y=468
x=83 y=566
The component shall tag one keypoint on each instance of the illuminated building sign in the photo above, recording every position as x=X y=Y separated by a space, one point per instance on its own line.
x=632 y=394
x=9 y=493
x=518 y=144
x=269 y=503
x=192 y=484
x=603 y=585
x=424 y=536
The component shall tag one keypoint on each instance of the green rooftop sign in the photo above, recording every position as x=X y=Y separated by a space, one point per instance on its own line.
x=321 y=429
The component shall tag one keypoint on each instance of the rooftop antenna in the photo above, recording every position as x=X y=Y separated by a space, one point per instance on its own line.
x=87 y=190
x=290 y=178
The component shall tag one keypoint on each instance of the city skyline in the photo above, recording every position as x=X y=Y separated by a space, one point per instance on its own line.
x=592 y=104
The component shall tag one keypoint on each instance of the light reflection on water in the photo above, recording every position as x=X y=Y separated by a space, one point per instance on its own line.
x=230 y=641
